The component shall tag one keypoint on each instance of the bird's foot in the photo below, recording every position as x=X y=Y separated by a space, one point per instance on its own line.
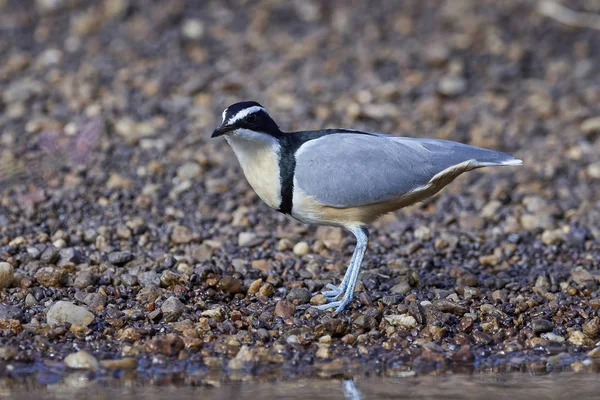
x=340 y=304
x=334 y=291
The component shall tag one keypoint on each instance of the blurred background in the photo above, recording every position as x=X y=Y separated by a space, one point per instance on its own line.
x=106 y=108
x=124 y=93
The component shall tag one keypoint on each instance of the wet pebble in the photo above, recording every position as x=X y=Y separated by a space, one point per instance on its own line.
x=81 y=360
x=172 y=308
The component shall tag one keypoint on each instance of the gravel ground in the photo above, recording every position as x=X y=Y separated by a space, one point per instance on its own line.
x=132 y=247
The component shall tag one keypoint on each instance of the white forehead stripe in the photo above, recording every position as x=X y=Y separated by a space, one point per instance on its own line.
x=243 y=113
x=224 y=114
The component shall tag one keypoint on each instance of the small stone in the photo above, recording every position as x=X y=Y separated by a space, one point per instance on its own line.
x=298 y=296
x=452 y=86
x=181 y=235
x=64 y=311
x=532 y=222
x=581 y=275
x=230 y=284
x=400 y=288
x=172 y=308
x=595 y=353
x=450 y=307
x=8 y=311
x=81 y=360
x=482 y=338
x=50 y=255
x=149 y=278
x=30 y=300
x=83 y=279
x=169 y=345
x=263 y=265
x=590 y=125
x=323 y=352
x=436 y=54
x=117 y=181
x=301 y=249
x=499 y=294
x=593 y=170
x=6 y=275
x=249 y=239
x=49 y=277
x=121 y=363
x=202 y=253
x=579 y=338
x=472 y=223
x=540 y=325
x=553 y=237
x=189 y=171
x=318 y=299
x=120 y=257
x=255 y=286
x=95 y=300
x=552 y=337
x=266 y=290
x=284 y=309
x=192 y=29
x=466 y=324
x=169 y=279
x=592 y=328
x=70 y=257
x=403 y=320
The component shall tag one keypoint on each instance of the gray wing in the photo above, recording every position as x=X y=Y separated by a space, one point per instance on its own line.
x=349 y=170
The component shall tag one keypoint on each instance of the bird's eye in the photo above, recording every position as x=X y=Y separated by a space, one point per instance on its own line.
x=251 y=118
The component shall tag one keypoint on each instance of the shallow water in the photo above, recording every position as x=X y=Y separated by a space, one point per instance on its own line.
x=487 y=386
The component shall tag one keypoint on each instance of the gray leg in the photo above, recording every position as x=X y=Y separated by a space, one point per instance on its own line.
x=335 y=291
x=362 y=239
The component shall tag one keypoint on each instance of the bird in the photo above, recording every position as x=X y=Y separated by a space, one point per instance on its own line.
x=343 y=177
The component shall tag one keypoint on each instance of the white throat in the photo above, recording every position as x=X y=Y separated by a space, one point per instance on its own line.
x=258 y=154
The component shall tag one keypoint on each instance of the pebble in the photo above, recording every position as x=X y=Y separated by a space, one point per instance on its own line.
x=284 y=309
x=452 y=86
x=95 y=300
x=540 y=325
x=249 y=239
x=592 y=328
x=230 y=285
x=189 y=171
x=49 y=277
x=400 y=288
x=8 y=311
x=181 y=235
x=6 y=275
x=81 y=360
x=301 y=249
x=298 y=296
x=553 y=337
x=192 y=29
x=120 y=257
x=581 y=275
x=579 y=338
x=403 y=320
x=266 y=290
x=64 y=311
x=172 y=309
x=553 y=237
x=318 y=299
x=83 y=279
x=120 y=363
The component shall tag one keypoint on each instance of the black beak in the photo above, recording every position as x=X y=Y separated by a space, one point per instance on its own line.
x=221 y=130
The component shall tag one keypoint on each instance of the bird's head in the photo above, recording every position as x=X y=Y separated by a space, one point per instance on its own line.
x=246 y=119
